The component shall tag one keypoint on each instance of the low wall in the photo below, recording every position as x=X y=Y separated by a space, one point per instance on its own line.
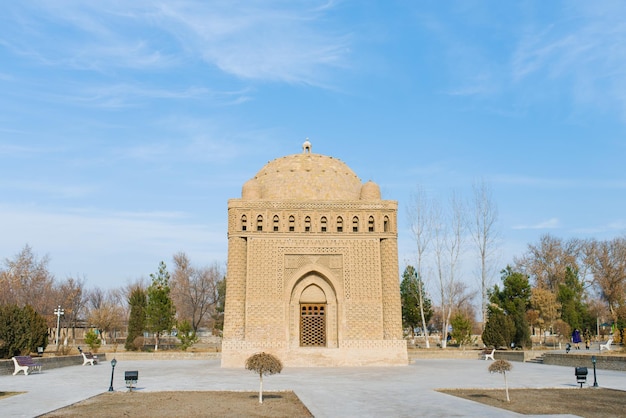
x=518 y=355
x=606 y=362
x=433 y=353
x=453 y=353
x=8 y=367
x=159 y=355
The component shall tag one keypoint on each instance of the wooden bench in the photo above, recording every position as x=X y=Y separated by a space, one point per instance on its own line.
x=487 y=354
x=25 y=364
x=89 y=358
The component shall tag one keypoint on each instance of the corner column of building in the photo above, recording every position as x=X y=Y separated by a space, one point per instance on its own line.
x=392 y=315
x=234 y=309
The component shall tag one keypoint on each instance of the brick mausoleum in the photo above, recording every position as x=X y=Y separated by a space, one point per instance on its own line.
x=312 y=268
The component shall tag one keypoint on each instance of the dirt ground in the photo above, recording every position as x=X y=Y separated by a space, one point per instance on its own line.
x=585 y=402
x=186 y=404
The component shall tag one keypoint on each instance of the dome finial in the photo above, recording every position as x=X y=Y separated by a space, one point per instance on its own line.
x=306 y=147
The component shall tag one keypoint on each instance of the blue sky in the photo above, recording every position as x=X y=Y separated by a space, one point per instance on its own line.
x=126 y=126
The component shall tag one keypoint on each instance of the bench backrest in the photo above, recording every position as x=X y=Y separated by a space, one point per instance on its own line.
x=24 y=360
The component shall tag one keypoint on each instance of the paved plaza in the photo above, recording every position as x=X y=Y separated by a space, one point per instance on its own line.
x=327 y=392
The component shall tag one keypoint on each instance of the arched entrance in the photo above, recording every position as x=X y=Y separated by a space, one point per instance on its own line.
x=314 y=309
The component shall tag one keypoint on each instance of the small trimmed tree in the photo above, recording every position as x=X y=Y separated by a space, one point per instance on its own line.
x=502 y=366
x=263 y=364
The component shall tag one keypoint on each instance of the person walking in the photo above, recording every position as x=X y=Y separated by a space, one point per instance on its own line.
x=576 y=338
x=587 y=337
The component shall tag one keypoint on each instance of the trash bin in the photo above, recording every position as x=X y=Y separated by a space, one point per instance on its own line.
x=581 y=375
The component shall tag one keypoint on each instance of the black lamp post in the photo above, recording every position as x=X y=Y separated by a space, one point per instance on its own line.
x=113 y=363
x=595 y=382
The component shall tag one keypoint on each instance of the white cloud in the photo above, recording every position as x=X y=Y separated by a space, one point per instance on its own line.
x=584 y=48
x=129 y=244
x=263 y=40
x=551 y=223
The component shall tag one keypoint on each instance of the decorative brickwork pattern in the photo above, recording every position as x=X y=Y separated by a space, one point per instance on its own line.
x=392 y=313
x=363 y=284
x=307 y=222
x=234 y=322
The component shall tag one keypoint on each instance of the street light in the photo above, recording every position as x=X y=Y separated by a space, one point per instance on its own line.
x=113 y=363
x=58 y=312
x=595 y=382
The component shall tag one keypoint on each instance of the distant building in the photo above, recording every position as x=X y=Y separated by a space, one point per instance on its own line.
x=312 y=268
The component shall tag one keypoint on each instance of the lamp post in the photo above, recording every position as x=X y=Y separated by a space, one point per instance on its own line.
x=113 y=363
x=595 y=382
x=58 y=312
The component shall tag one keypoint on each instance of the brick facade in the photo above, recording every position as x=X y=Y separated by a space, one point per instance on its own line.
x=307 y=231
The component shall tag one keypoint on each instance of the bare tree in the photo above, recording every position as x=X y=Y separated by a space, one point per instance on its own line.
x=71 y=297
x=548 y=261
x=448 y=242
x=421 y=220
x=27 y=281
x=607 y=260
x=105 y=312
x=485 y=235
x=546 y=307
x=194 y=290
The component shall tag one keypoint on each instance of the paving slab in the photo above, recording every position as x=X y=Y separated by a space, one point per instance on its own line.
x=402 y=391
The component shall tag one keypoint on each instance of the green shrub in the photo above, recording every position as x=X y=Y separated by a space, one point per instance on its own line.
x=22 y=330
x=186 y=335
x=92 y=340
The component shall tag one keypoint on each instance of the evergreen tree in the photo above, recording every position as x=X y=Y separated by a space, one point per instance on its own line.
x=22 y=330
x=160 y=310
x=498 y=329
x=409 y=293
x=570 y=295
x=461 y=329
x=514 y=300
x=137 y=301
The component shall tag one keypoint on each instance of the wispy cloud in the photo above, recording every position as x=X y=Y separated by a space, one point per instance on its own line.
x=261 y=40
x=129 y=95
x=88 y=239
x=551 y=223
x=47 y=188
x=585 y=49
x=559 y=183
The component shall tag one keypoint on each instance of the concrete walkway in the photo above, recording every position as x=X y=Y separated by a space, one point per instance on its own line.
x=337 y=392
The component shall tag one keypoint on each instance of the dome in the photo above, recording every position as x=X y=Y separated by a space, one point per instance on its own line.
x=370 y=191
x=251 y=190
x=304 y=176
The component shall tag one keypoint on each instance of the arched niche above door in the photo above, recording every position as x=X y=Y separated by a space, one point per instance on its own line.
x=313 y=294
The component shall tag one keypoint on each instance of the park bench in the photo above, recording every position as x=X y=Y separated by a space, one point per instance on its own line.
x=487 y=354
x=25 y=364
x=607 y=345
x=89 y=358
